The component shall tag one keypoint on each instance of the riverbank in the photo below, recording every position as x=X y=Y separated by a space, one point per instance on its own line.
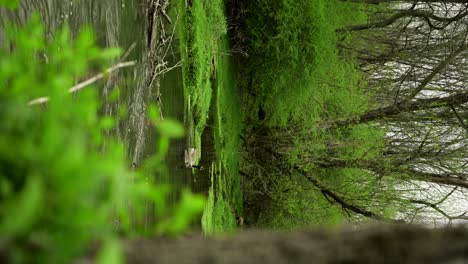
x=211 y=101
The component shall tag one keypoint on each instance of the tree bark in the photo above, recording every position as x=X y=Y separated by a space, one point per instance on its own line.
x=377 y=244
x=453 y=179
x=402 y=14
x=376 y=2
x=404 y=107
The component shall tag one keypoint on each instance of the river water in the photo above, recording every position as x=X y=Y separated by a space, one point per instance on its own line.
x=125 y=24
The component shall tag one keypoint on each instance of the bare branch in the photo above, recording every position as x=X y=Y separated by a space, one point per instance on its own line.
x=342 y=201
x=459 y=118
x=376 y=2
x=79 y=86
x=436 y=71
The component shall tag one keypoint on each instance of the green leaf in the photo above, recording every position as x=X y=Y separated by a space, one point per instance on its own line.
x=171 y=128
x=115 y=94
x=123 y=111
x=154 y=113
x=107 y=122
x=110 y=53
x=188 y=207
x=163 y=146
x=12 y=4
x=5 y=187
x=111 y=253
x=24 y=210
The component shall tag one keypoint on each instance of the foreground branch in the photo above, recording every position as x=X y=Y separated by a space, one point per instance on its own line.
x=379 y=244
x=81 y=85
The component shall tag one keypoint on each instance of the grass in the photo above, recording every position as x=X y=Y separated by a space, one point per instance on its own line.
x=207 y=73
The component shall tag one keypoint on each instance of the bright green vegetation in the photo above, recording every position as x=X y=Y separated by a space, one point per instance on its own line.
x=228 y=197
x=60 y=188
x=200 y=27
x=297 y=78
x=228 y=123
x=297 y=204
x=210 y=89
x=219 y=216
x=294 y=64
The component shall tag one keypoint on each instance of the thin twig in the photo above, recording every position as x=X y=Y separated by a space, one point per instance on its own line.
x=178 y=64
x=79 y=86
x=172 y=35
x=101 y=75
x=127 y=53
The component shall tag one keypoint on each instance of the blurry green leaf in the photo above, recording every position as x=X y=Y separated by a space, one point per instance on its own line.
x=110 y=53
x=9 y=3
x=97 y=136
x=123 y=111
x=163 y=146
x=5 y=187
x=158 y=196
x=170 y=128
x=115 y=94
x=63 y=36
x=85 y=38
x=107 y=122
x=154 y=113
x=24 y=210
x=111 y=253
x=188 y=207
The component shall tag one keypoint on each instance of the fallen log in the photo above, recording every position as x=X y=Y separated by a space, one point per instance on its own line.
x=376 y=244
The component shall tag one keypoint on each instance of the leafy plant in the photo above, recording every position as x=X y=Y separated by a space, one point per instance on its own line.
x=59 y=189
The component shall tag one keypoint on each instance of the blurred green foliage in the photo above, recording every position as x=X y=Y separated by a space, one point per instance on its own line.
x=60 y=190
x=9 y=3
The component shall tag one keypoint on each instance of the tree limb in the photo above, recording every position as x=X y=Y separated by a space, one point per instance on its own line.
x=376 y=2
x=81 y=85
x=459 y=118
x=393 y=110
x=342 y=201
x=402 y=14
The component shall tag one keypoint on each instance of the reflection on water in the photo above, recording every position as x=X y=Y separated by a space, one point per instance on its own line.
x=122 y=23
